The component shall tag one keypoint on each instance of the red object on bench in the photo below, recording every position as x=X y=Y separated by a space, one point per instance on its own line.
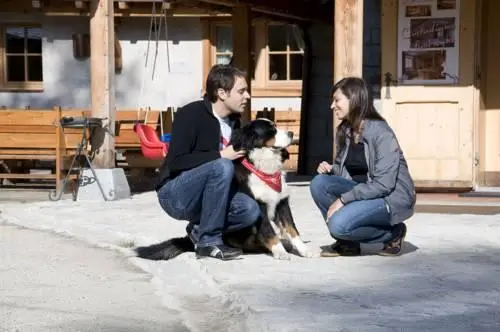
x=151 y=145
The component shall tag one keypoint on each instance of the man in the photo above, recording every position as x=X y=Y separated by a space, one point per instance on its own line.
x=196 y=178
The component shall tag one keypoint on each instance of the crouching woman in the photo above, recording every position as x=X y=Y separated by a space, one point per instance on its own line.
x=367 y=193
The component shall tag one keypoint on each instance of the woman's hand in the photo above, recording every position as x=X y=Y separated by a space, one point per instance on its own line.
x=337 y=205
x=324 y=168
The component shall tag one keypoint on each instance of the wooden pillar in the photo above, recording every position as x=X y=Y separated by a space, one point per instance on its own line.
x=242 y=44
x=102 y=75
x=348 y=43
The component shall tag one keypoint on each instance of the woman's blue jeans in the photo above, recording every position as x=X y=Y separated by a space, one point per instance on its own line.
x=366 y=221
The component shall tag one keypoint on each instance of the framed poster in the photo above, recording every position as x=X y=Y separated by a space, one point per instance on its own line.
x=428 y=36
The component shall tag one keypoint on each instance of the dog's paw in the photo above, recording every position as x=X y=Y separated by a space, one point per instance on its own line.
x=282 y=256
x=302 y=249
x=279 y=252
x=309 y=254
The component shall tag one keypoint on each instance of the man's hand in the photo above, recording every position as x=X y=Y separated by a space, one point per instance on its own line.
x=324 y=168
x=229 y=153
x=337 y=205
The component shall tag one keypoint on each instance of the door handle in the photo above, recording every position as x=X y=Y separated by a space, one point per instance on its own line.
x=388 y=79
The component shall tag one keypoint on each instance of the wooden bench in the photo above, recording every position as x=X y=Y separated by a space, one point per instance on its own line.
x=288 y=120
x=33 y=135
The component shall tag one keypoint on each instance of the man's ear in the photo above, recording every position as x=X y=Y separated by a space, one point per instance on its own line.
x=222 y=94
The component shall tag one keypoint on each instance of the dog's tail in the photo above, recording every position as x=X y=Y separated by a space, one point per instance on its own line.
x=165 y=250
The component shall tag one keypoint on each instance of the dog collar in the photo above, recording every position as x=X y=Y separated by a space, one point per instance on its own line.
x=272 y=180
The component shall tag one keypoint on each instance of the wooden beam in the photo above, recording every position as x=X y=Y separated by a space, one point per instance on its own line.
x=348 y=38
x=102 y=74
x=81 y=8
x=296 y=10
x=242 y=44
x=348 y=43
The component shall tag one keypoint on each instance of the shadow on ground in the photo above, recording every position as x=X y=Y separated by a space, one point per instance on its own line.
x=446 y=291
x=142 y=183
x=374 y=249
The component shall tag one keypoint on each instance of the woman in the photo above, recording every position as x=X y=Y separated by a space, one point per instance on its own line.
x=367 y=194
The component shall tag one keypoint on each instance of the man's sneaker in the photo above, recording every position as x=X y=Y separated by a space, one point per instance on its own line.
x=192 y=231
x=342 y=248
x=394 y=247
x=222 y=252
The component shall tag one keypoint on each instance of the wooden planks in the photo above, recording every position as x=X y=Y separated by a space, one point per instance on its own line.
x=33 y=135
x=44 y=141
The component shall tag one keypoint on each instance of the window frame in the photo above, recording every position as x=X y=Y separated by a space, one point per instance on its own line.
x=26 y=86
x=288 y=52
x=262 y=85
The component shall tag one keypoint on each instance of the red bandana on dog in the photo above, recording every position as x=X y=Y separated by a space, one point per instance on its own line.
x=272 y=180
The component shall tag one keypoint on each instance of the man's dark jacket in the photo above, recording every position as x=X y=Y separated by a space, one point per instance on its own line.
x=196 y=138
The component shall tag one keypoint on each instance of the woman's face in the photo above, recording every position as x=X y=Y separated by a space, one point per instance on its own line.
x=340 y=104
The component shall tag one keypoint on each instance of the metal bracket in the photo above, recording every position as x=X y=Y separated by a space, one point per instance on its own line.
x=388 y=79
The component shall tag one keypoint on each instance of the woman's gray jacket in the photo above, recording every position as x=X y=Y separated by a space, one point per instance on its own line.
x=388 y=174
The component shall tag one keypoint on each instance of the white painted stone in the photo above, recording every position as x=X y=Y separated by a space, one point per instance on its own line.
x=113 y=182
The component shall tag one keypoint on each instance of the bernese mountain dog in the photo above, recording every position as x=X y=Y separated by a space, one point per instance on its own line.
x=260 y=175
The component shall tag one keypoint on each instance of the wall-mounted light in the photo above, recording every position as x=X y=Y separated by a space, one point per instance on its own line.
x=166 y=5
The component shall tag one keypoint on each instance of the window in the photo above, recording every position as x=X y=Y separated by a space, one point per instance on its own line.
x=285 y=55
x=223 y=44
x=277 y=56
x=21 y=58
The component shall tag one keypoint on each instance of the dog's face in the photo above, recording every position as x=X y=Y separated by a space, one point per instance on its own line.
x=261 y=133
x=264 y=143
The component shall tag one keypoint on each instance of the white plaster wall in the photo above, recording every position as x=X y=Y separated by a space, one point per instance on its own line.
x=163 y=85
x=67 y=80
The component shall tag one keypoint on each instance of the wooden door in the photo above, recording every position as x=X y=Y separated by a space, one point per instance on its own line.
x=489 y=113
x=432 y=117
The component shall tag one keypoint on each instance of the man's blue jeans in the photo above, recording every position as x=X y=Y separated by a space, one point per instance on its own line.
x=366 y=221
x=207 y=198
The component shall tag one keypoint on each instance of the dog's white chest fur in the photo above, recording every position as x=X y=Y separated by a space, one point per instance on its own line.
x=267 y=161
x=264 y=193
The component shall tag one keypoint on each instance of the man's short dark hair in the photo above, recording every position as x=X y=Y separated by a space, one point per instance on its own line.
x=221 y=77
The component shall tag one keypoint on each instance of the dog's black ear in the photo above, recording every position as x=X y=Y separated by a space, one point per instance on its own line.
x=285 y=155
x=236 y=139
x=243 y=139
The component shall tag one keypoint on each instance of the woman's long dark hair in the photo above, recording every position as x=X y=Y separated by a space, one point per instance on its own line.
x=360 y=107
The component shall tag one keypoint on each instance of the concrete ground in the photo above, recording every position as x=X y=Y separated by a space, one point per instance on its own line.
x=450 y=203
x=52 y=283
x=445 y=281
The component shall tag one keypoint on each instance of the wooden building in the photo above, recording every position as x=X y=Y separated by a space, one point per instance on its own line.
x=433 y=67
x=440 y=75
